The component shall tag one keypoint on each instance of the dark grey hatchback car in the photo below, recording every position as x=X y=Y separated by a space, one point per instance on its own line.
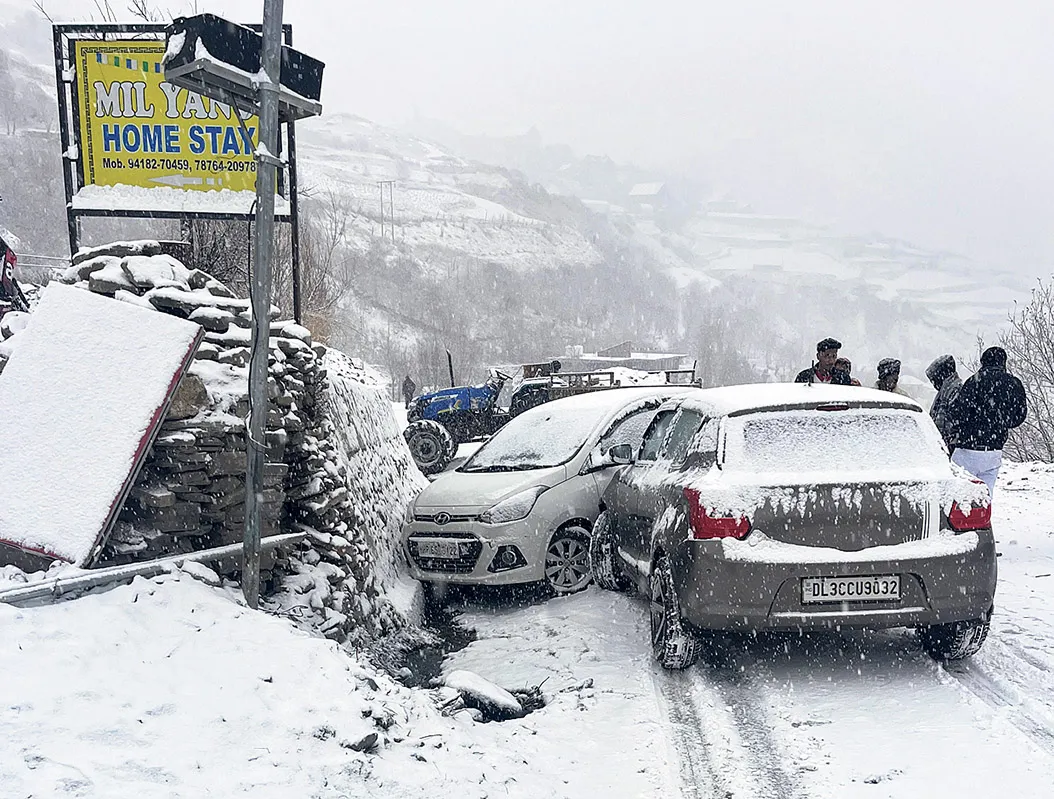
x=797 y=507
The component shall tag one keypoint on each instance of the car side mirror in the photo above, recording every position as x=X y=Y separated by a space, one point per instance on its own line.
x=621 y=454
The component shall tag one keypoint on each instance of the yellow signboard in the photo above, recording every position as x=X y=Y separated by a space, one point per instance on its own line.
x=138 y=130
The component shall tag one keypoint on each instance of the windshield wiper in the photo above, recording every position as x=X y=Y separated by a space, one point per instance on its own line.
x=501 y=467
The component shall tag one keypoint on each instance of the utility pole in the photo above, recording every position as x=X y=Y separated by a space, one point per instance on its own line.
x=270 y=63
x=381 y=187
x=391 y=207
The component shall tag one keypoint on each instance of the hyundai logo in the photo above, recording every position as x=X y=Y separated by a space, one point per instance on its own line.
x=441 y=518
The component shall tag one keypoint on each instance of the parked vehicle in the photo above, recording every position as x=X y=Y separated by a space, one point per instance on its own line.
x=522 y=507
x=11 y=296
x=797 y=507
x=441 y=420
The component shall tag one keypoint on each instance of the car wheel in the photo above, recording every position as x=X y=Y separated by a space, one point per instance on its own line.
x=603 y=556
x=567 y=560
x=955 y=641
x=674 y=646
x=430 y=445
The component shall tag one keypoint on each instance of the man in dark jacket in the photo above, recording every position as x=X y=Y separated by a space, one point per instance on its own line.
x=942 y=373
x=989 y=405
x=409 y=388
x=823 y=370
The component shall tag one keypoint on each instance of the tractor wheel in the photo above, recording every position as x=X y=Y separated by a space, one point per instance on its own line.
x=430 y=445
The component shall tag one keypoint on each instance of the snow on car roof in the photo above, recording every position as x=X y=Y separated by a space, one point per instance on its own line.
x=753 y=397
x=553 y=433
x=610 y=399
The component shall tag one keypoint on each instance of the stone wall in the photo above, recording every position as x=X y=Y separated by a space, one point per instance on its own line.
x=337 y=467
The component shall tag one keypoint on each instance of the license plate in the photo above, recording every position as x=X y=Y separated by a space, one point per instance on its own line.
x=438 y=548
x=869 y=588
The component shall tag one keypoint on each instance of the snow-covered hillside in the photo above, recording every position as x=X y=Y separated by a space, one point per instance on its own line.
x=443 y=205
x=792 y=282
x=511 y=249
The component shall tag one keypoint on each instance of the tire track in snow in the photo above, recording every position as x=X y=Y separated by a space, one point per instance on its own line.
x=722 y=733
x=977 y=681
x=733 y=675
x=686 y=734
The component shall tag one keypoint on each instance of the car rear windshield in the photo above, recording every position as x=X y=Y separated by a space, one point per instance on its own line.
x=541 y=437
x=835 y=441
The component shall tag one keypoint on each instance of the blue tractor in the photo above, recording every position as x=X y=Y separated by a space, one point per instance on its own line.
x=441 y=420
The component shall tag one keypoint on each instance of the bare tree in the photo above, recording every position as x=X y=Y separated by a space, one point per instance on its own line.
x=1029 y=344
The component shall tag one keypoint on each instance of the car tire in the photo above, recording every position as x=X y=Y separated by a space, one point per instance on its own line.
x=675 y=647
x=566 y=564
x=430 y=445
x=603 y=556
x=955 y=641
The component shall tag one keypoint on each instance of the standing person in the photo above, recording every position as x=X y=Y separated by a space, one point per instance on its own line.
x=823 y=370
x=989 y=404
x=409 y=388
x=889 y=376
x=942 y=373
x=845 y=366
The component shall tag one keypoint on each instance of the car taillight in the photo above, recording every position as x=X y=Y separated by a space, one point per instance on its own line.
x=977 y=517
x=704 y=526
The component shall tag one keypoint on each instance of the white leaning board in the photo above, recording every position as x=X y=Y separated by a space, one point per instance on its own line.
x=80 y=403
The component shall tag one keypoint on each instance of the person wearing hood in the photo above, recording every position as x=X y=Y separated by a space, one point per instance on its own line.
x=989 y=405
x=889 y=376
x=845 y=366
x=944 y=377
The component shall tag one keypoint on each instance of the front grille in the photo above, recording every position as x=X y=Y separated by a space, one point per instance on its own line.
x=469 y=548
x=430 y=517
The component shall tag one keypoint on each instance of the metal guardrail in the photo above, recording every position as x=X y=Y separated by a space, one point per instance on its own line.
x=94 y=578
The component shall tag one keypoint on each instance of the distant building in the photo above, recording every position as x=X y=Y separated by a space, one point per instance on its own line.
x=648 y=197
x=576 y=360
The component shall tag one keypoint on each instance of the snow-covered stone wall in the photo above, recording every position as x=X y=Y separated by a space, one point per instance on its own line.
x=337 y=467
x=352 y=505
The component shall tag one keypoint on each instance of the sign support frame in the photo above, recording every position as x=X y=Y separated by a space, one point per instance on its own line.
x=63 y=37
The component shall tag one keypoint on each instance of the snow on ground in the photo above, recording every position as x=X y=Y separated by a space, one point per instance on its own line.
x=169 y=688
x=591 y=655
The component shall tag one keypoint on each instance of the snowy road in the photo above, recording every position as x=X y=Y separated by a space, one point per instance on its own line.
x=826 y=715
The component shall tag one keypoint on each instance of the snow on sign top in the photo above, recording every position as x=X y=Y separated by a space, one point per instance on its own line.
x=80 y=400
x=171 y=199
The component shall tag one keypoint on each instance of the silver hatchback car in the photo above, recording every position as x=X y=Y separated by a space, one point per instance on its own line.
x=797 y=507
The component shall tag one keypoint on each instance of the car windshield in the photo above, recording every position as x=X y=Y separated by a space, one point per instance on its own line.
x=549 y=435
x=836 y=442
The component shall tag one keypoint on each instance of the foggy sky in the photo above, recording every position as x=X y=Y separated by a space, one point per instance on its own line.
x=929 y=121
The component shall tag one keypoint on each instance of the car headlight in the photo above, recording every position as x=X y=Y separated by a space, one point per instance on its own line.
x=408 y=514
x=514 y=508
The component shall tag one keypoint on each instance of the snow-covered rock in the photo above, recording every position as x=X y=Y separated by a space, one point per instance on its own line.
x=494 y=701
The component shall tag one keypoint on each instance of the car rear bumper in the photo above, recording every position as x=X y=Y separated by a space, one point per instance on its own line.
x=720 y=594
